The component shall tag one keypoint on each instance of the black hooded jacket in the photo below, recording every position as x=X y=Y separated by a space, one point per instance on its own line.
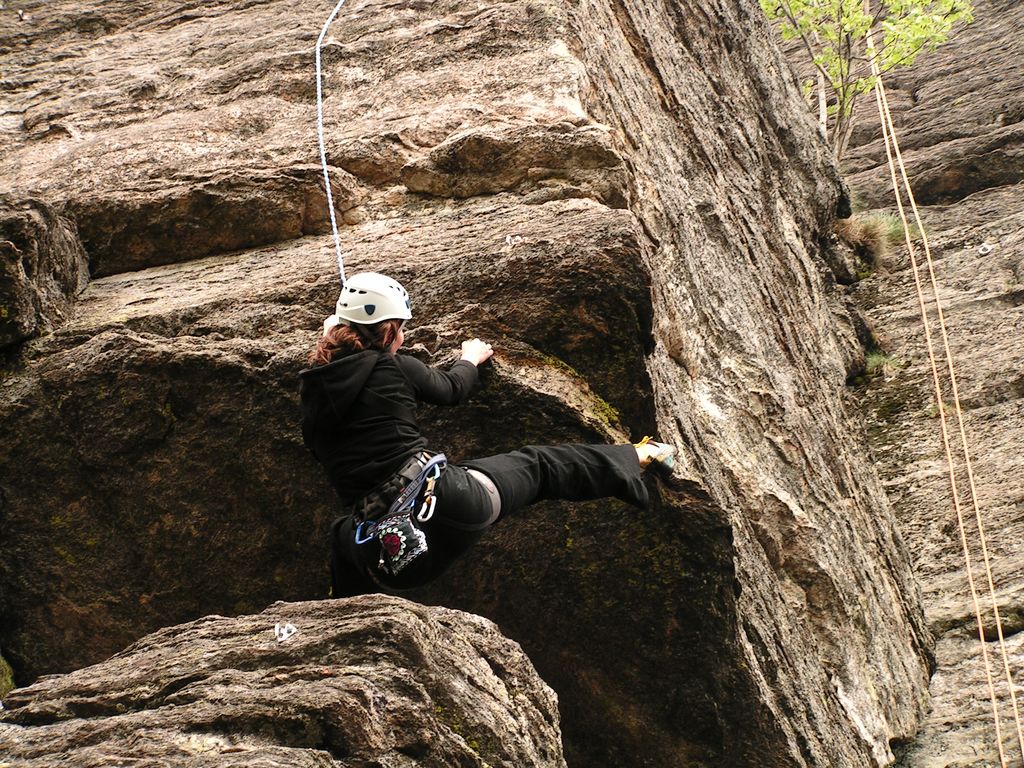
x=359 y=414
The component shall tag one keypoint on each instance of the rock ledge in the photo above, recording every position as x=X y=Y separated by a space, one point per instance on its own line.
x=366 y=681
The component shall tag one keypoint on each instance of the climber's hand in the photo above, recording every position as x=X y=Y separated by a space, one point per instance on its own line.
x=476 y=351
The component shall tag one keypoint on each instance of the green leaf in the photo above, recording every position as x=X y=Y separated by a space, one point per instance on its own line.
x=836 y=33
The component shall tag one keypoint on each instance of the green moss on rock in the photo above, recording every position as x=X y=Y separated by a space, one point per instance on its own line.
x=604 y=411
x=6 y=678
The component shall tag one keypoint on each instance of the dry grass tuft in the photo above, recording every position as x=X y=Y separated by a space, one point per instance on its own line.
x=871 y=236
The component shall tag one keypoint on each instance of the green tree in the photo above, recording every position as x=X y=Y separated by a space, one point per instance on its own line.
x=834 y=34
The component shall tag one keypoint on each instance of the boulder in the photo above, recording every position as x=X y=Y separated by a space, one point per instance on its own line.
x=365 y=681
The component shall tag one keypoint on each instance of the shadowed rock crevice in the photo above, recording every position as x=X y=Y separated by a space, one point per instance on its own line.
x=668 y=606
x=183 y=222
x=997 y=164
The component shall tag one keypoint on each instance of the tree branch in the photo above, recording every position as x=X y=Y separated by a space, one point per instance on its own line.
x=788 y=11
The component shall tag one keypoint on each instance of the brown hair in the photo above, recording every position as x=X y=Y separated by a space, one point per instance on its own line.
x=342 y=340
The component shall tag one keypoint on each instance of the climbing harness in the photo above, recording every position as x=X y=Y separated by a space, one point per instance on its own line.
x=320 y=137
x=893 y=151
x=398 y=531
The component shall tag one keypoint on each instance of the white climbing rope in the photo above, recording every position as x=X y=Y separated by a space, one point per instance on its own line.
x=320 y=136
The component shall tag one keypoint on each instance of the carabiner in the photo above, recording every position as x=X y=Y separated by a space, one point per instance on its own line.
x=427 y=510
x=360 y=539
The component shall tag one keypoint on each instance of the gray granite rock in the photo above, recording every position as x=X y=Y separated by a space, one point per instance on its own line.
x=42 y=269
x=959 y=121
x=364 y=681
x=627 y=199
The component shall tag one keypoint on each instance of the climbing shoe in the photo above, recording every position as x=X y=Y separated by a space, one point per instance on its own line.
x=655 y=455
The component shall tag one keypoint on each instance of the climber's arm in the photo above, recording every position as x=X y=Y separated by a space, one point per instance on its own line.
x=439 y=387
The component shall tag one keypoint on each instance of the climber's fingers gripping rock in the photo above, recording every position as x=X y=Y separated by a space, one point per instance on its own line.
x=476 y=351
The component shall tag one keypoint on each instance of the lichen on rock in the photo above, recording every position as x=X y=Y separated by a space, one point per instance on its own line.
x=6 y=678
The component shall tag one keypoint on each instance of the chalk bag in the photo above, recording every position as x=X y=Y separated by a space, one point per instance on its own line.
x=401 y=541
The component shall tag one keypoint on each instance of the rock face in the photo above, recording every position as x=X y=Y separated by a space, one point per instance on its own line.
x=42 y=269
x=960 y=114
x=629 y=201
x=364 y=681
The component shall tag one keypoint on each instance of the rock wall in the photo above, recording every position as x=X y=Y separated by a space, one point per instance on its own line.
x=362 y=681
x=628 y=200
x=755 y=347
x=43 y=267
x=960 y=118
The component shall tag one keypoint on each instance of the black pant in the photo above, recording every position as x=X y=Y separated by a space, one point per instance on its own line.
x=564 y=472
x=523 y=477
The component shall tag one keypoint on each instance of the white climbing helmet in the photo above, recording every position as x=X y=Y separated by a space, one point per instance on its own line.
x=369 y=297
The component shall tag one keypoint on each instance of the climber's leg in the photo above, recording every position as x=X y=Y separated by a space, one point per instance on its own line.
x=472 y=496
x=564 y=472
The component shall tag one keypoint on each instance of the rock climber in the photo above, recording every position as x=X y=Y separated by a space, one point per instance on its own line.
x=410 y=514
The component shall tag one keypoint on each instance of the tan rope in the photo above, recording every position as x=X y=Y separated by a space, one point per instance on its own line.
x=945 y=440
x=963 y=437
x=889 y=135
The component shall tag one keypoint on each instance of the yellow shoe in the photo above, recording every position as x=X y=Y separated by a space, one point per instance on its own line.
x=660 y=456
